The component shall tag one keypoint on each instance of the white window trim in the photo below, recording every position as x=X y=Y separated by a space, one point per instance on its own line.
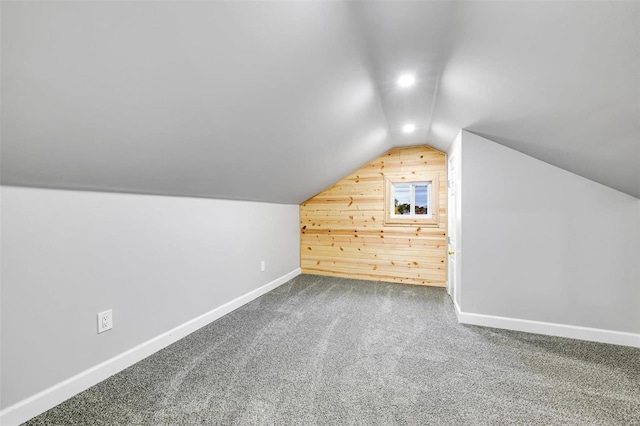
x=427 y=220
x=412 y=200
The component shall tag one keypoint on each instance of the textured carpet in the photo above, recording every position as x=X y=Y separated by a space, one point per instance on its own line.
x=321 y=350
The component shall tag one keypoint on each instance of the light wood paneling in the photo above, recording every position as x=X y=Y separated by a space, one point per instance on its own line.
x=342 y=231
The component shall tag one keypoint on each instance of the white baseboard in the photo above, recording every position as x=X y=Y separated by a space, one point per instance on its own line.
x=550 y=329
x=49 y=398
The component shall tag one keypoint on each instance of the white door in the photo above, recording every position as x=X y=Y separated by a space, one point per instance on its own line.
x=451 y=228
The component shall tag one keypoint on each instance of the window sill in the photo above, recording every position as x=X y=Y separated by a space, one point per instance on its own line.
x=411 y=221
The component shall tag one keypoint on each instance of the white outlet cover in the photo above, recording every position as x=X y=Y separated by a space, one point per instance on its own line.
x=105 y=321
x=263 y=266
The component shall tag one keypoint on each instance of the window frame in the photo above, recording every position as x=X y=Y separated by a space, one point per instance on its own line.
x=412 y=199
x=431 y=219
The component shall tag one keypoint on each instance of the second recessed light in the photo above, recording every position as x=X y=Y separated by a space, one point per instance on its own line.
x=406 y=80
x=409 y=128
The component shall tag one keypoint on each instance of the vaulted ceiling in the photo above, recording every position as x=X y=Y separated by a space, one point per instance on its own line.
x=274 y=101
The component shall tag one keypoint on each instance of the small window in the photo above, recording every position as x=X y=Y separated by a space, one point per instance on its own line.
x=411 y=199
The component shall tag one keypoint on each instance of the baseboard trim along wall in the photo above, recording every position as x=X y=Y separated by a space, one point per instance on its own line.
x=49 y=398
x=561 y=330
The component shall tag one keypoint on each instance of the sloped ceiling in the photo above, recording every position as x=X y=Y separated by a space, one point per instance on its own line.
x=259 y=101
x=274 y=101
x=559 y=81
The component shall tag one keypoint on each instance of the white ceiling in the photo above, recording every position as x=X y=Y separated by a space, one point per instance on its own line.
x=274 y=101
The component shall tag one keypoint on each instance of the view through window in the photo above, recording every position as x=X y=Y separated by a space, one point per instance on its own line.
x=411 y=199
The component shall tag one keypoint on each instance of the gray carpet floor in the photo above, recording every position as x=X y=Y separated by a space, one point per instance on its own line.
x=330 y=351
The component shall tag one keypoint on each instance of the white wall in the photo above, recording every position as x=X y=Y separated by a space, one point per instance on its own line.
x=157 y=261
x=637 y=297
x=543 y=244
x=454 y=178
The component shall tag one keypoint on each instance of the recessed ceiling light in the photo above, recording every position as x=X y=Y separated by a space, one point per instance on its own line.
x=409 y=128
x=406 y=80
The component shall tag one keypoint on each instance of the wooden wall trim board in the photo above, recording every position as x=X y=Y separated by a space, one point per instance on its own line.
x=342 y=230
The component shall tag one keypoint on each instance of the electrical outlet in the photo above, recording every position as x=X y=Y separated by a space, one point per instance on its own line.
x=263 y=266
x=105 y=321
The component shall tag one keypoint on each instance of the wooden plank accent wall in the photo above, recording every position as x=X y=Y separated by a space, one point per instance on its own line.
x=342 y=231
